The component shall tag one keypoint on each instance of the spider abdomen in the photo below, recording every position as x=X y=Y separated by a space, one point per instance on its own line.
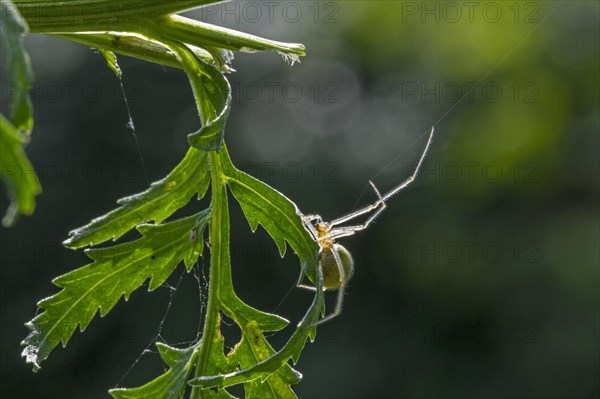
x=331 y=271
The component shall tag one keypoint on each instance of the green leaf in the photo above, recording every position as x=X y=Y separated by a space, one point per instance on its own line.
x=254 y=348
x=264 y=369
x=264 y=372
x=117 y=271
x=279 y=216
x=217 y=361
x=155 y=204
x=111 y=61
x=17 y=172
x=170 y=385
x=12 y=29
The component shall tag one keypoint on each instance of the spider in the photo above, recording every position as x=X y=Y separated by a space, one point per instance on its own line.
x=336 y=262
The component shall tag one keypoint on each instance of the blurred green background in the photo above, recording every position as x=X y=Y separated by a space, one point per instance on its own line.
x=479 y=281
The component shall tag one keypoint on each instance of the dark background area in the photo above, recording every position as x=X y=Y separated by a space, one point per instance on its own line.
x=481 y=280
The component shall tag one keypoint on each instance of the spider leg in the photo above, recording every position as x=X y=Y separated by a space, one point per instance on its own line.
x=412 y=177
x=311 y=218
x=307 y=220
x=354 y=214
x=366 y=209
x=346 y=231
x=376 y=192
x=369 y=220
x=307 y=287
x=301 y=276
x=341 y=289
x=379 y=205
x=340 y=232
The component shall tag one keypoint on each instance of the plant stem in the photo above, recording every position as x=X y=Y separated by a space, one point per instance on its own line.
x=69 y=15
x=219 y=259
x=137 y=47
x=198 y=33
x=219 y=217
x=119 y=26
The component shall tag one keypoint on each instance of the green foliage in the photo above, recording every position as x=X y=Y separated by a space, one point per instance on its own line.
x=277 y=214
x=171 y=384
x=17 y=171
x=203 y=52
x=116 y=271
x=155 y=204
x=13 y=27
x=111 y=61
